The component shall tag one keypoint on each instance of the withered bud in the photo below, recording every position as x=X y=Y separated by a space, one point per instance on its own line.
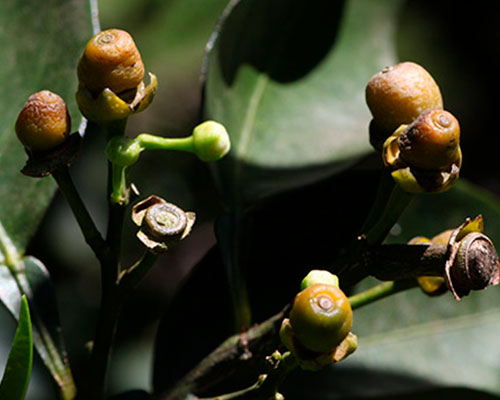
x=473 y=261
x=162 y=224
x=475 y=266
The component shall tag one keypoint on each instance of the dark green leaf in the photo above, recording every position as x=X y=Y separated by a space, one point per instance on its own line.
x=18 y=369
x=287 y=79
x=39 y=47
x=438 y=339
x=32 y=279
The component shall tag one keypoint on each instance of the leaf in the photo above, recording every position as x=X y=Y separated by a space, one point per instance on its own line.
x=32 y=280
x=18 y=369
x=437 y=339
x=39 y=47
x=287 y=79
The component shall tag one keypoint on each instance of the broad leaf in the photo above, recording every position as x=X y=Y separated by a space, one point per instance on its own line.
x=32 y=279
x=39 y=47
x=437 y=339
x=17 y=374
x=287 y=79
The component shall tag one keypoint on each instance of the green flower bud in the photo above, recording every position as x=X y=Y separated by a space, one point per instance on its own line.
x=319 y=276
x=123 y=151
x=321 y=317
x=211 y=141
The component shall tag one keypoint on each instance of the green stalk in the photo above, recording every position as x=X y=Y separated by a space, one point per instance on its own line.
x=380 y=291
x=152 y=142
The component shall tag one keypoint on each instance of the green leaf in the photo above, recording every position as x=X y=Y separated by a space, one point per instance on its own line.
x=39 y=47
x=18 y=369
x=438 y=339
x=287 y=79
x=30 y=278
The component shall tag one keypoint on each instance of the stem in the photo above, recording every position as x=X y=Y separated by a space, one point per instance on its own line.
x=235 y=356
x=131 y=278
x=111 y=300
x=83 y=218
x=120 y=192
x=380 y=291
x=397 y=203
x=152 y=142
x=267 y=385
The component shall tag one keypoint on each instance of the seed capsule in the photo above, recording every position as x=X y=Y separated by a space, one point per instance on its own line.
x=110 y=60
x=321 y=317
x=44 y=122
x=431 y=141
x=399 y=94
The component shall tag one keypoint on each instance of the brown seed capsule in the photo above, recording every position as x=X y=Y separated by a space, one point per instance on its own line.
x=399 y=94
x=44 y=122
x=476 y=264
x=110 y=60
x=431 y=141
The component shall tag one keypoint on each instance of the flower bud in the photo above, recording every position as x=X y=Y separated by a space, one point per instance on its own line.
x=44 y=122
x=211 y=141
x=321 y=317
x=399 y=94
x=431 y=141
x=319 y=276
x=110 y=60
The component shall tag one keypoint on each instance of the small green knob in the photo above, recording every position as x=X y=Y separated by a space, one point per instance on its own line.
x=319 y=276
x=211 y=141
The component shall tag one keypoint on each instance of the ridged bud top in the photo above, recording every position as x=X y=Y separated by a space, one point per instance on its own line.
x=399 y=94
x=110 y=60
x=321 y=317
x=44 y=121
x=431 y=141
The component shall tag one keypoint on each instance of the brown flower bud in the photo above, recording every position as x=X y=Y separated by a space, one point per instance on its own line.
x=110 y=60
x=399 y=94
x=431 y=141
x=44 y=122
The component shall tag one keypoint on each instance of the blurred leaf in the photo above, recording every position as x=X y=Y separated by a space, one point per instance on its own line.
x=39 y=47
x=438 y=339
x=17 y=374
x=32 y=279
x=287 y=78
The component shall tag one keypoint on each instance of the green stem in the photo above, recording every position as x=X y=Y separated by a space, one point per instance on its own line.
x=152 y=142
x=380 y=291
x=111 y=300
x=397 y=203
x=91 y=234
x=120 y=192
